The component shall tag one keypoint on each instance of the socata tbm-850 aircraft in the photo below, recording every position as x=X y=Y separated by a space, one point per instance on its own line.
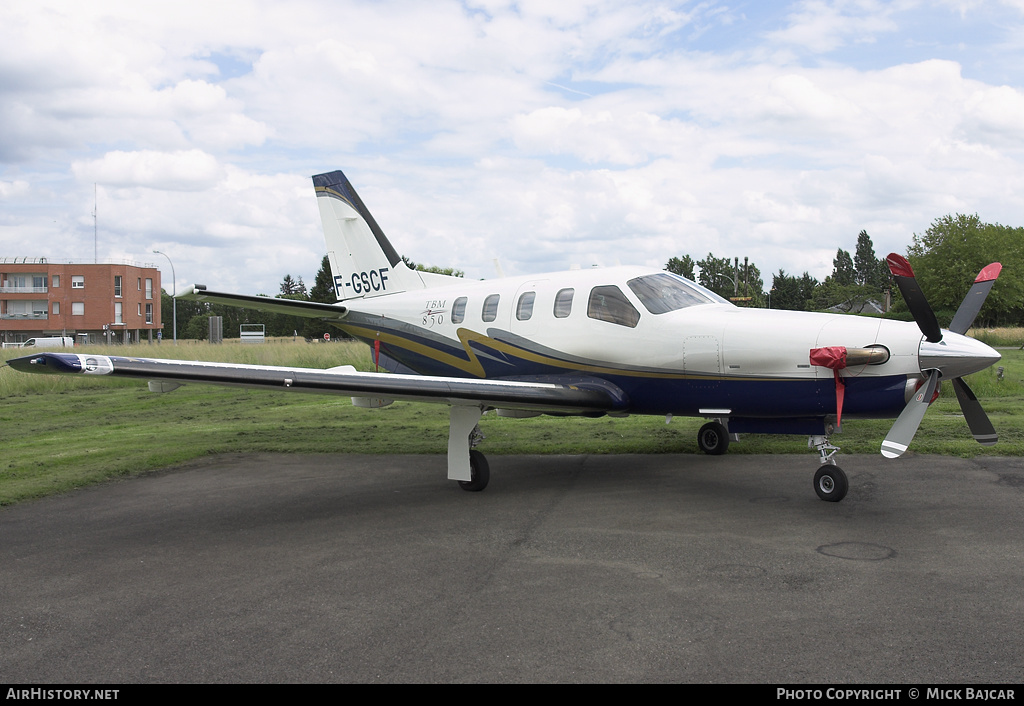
x=615 y=341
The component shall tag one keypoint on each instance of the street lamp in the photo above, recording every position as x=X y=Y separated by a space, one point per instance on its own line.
x=174 y=301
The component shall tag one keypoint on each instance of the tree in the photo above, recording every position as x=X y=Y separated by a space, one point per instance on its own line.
x=948 y=256
x=683 y=266
x=722 y=277
x=792 y=293
x=323 y=286
x=450 y=271
x=289 y=286
x=716 y=274
x=843 y=271
x=871 y=271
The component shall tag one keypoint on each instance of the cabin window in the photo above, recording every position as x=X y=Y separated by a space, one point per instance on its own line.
x=563 y=303
x=524 y=309
x=490 y=311
x=666 y=292
x=608 y=303
x=459 y=310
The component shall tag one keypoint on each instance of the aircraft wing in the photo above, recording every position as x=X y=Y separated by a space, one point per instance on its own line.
x=291 y=307
x=558 y=394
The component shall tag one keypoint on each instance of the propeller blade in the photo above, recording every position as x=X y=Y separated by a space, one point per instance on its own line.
x=916 y=301
x=975 y=298
x=905 y=426
x=982 y=429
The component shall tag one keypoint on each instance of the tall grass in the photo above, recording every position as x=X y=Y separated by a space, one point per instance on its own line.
x=1006 y=336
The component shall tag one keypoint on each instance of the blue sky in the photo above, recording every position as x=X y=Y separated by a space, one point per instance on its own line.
x=546 y=135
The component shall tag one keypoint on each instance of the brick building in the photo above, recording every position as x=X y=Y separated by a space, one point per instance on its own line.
x=94 y=303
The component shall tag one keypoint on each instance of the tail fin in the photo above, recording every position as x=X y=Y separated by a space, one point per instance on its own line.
x=363 y=262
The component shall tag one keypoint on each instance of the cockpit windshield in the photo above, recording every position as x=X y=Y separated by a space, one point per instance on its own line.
x=666 y=292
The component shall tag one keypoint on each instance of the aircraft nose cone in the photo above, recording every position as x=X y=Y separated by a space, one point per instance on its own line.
x=956 y=355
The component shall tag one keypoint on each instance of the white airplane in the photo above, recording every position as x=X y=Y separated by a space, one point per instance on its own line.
x=615 y=341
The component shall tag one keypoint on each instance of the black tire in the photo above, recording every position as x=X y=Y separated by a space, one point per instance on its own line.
x=830 y=483
x=713 y=439
x=480 y=471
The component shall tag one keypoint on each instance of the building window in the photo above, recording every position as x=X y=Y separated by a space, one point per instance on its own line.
x=149 y=288
x=78 y=281
x=56 y=280
x=117 y=285
x=149 y=313
x=56 y=308
x=140 y=284
x=78 y=308
x=117 y=313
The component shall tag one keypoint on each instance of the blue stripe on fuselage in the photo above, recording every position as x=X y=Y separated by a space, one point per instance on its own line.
x=654 y=392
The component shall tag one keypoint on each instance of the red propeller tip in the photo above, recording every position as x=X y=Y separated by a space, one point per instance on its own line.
x=899 y=266
x=989 y=273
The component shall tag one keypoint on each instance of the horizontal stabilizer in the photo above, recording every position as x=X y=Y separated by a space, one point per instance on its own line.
x=290 y=307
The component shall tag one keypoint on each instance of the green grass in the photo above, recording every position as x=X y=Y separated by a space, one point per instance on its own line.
x=59 y=433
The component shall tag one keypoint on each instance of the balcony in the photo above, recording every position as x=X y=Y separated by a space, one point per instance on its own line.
x=25 y=317
x=7 y=289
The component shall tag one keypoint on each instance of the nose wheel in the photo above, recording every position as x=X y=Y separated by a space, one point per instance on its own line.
x=830 y=483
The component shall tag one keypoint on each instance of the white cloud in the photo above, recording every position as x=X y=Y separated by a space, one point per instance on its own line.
x=186 y=170
x=448 y=118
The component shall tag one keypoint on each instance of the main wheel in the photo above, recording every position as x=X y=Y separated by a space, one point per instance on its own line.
x=830 y=483
x=713 y=439
x=480 y=473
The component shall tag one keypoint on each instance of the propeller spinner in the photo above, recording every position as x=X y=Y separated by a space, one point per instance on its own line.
x=943 y=355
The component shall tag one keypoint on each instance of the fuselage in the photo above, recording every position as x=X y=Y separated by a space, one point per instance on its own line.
x=696 y=353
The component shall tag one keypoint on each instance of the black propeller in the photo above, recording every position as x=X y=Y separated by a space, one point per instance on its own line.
x=943 y=358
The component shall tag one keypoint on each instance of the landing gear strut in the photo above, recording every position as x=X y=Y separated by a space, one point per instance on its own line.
x=830 y=482
x=465 y=464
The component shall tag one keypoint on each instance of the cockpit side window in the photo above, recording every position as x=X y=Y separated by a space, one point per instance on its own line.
x=666 y=292
x=490 y=310
x=608 y=303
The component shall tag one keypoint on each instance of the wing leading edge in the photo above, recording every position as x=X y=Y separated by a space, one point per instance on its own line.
x=557 y=394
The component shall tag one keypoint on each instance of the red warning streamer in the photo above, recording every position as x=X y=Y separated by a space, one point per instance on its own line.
x=833 y=357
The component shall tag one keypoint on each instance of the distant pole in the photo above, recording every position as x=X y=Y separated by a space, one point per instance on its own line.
x=95 y=228
x=174 y=300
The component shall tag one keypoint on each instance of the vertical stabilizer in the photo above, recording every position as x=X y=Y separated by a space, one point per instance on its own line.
x=363 y=262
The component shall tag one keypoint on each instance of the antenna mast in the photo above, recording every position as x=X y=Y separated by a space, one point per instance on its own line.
x=95 y=256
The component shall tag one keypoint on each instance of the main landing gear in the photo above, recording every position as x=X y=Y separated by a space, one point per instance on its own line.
x=465 y=464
